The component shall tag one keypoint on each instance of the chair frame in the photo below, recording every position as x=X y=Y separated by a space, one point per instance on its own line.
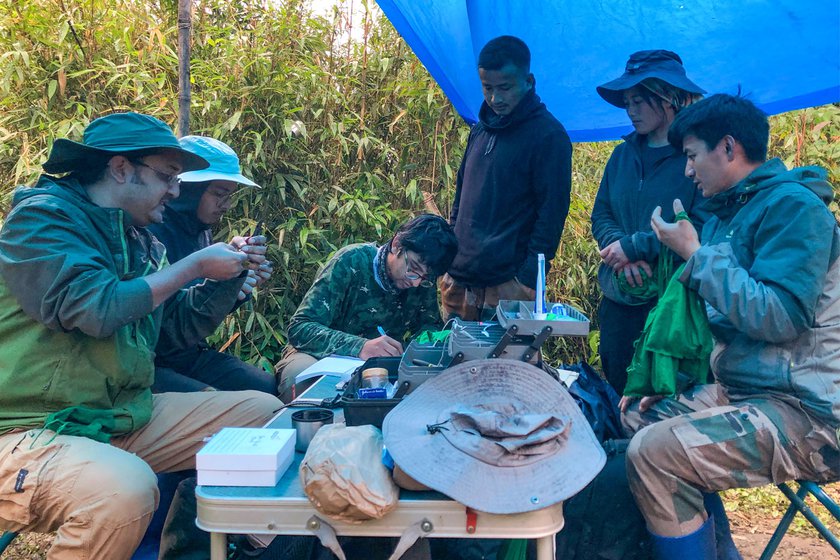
x=6 y=539
x=798 y=505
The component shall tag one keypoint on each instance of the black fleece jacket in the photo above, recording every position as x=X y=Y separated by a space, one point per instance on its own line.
x=512 y=195
x=625 y=202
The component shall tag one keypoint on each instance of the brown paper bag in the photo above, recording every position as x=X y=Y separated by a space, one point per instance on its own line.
x=343 y=475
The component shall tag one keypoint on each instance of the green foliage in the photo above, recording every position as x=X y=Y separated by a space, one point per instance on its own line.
x=768 y=502
x=344 y=136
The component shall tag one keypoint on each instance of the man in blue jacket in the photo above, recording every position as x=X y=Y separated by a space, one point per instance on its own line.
x=513 y=188
x=769 y=272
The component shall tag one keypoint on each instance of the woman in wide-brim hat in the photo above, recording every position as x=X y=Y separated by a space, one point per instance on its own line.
x=643 y=172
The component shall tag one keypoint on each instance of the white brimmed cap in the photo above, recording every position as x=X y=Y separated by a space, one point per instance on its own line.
x=224 y=163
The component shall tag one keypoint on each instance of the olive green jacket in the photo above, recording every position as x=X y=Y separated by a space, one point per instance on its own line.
x=77 y=323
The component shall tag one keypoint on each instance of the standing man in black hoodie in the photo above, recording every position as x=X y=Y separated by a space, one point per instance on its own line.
x=513 y=189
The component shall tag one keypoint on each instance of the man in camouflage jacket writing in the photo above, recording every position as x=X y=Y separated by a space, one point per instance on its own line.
x=365 y=291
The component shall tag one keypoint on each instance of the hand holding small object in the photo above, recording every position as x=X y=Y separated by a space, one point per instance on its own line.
x=381 y=347
x=680 y=236
x=633 y=272
x=254 y=247
x=221 y=261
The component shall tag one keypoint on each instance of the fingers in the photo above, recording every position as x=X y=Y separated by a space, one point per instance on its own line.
x=678 y=206
x=256 y=240
x=647 y=402
x=393 y=347
x=625 y=403
x=264 y=272
x=627 y=271
x=238 y=242
x=656 y=216
x=646 y=267
x=635 y=275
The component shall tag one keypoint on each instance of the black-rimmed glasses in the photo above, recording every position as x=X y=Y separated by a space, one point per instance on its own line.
x=410 y=274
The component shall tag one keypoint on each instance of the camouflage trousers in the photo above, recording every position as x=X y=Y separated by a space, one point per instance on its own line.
x=705 y=442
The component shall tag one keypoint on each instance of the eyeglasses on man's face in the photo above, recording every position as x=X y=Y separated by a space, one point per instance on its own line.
x=411 y=272
x=168 y=178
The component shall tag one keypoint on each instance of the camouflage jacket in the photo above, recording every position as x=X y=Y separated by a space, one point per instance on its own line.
x=345 y=305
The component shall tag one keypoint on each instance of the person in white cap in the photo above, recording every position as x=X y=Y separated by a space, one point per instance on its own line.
x=186 y=228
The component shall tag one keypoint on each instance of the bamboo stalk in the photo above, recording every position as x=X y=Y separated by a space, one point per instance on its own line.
x=184 y=97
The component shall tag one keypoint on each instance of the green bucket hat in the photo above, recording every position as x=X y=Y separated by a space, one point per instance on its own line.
x=120 y=133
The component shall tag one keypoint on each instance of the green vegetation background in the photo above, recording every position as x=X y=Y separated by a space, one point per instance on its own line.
x=344 y=136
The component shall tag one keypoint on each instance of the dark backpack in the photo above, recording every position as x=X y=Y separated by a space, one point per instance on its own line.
x=602 y=520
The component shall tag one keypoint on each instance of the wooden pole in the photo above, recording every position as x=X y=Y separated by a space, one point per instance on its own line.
x=184 y=28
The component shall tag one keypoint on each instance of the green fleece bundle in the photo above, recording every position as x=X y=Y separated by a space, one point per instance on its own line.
x=676 y=340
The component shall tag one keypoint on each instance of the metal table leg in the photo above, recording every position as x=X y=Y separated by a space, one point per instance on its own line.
x=545 y=548
x=218 y=546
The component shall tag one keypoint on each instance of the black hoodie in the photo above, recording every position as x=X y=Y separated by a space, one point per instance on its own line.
x=512 y=195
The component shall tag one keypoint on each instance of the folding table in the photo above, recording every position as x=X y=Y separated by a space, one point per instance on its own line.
x=285 y=509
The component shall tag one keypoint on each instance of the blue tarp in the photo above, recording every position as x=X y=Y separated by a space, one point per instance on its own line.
x=782 y=54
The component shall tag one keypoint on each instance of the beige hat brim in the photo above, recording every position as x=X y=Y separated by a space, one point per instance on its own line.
x=432 y=461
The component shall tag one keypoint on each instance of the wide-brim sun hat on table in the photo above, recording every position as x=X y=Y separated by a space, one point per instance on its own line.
x=224 y=163
x=499 y=436
x=662 y=64
x=119 y=133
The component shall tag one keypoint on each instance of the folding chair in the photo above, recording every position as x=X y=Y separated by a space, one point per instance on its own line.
x=6 y=539
x=797 y=504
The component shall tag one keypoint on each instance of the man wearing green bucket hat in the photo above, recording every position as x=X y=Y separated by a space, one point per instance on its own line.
x=186 y=228
x=85 y=291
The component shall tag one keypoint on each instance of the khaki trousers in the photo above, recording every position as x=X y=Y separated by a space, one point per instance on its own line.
x=705 y=442
x=478 y=304
x=98 y=497
x=287 y=369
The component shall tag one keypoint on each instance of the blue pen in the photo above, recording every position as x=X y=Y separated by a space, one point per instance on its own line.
x=381 y=331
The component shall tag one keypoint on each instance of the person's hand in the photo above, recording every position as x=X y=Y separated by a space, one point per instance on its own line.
x=248 y=286
x=253 y=246
x=633 y=272
x=681 y=236
x=263 y=273
x=381 y=347
x=221 y=261
x=644 y=404
x=613 y=255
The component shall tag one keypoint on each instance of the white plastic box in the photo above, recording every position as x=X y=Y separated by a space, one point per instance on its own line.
x=245 y=457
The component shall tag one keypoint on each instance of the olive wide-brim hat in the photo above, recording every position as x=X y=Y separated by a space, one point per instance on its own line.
x=499 y=436
x=119 y=133
x=664 y=65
